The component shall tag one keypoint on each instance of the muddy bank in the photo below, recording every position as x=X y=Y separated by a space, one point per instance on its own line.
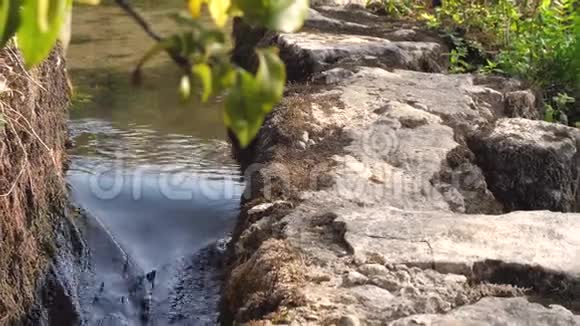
x=38 y=242
x=385 y=191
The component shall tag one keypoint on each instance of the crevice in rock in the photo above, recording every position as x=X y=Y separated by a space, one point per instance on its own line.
x=459 y=174
x=331 y=231
x=543 y=285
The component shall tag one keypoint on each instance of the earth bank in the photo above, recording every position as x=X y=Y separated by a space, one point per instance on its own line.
x=40 y=247
x=383 y=191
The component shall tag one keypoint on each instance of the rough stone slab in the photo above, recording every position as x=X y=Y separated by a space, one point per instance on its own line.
x=455 y=242
x=338 y=36
x=530 y=164
x=321 y=50
x=496 y=312
x=319 y=21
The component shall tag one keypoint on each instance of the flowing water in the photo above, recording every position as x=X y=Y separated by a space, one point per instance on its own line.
x=152 y=174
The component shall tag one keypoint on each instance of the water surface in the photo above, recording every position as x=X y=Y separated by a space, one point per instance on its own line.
x=152 y=173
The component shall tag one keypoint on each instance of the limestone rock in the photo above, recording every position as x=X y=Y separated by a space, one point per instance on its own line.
x=319 y=21
x=521 y=104
x=349 y=320
x=332 y=76
x=530 y=164
x=329 y=41
x=354 y=278
x=496 y=312
x=373 y=269
x=464 y=244
x=306 y=53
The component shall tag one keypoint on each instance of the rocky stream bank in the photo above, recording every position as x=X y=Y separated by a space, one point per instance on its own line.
x=384 y=191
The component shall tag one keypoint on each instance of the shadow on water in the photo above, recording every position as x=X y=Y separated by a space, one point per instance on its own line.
x=153 y=176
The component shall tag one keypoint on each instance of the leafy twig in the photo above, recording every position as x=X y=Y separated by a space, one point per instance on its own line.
x=180 y=60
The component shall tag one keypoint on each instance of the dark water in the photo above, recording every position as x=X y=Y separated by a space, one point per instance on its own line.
x=152 y=174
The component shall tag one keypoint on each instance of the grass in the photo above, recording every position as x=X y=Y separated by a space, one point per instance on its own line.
x=537 y=41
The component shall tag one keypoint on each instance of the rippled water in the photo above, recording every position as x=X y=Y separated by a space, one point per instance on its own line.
x=153 y=175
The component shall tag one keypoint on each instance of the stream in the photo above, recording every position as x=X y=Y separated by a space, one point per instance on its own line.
x=152 y=175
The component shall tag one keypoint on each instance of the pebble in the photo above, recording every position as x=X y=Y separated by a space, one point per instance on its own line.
x=261 y=208
x=354 y=278
x=349 y=320
x=373 y=269
x=387 y=282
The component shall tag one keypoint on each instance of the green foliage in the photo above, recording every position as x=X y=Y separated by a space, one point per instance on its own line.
x=280 y=15
x=248 y=97
x=542 y=47
x=253 y=97
x=40 y=27
x=537 y=41
x=558 y=111
x=9 y=19
x=201 y=51
x=402 y=8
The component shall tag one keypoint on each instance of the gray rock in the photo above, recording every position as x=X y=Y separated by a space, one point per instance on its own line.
x=529 y=164
x=465 y=244
x=521 y=104
x=306 y=53
x=496 y=312
x=349 y=320
x=354 y=278
x=332 y=76
x=319 y=21
x=301 y=145
x=328 y=42
x=373 y=269
x=373 y=296
x=265 y=207
x=492 y=98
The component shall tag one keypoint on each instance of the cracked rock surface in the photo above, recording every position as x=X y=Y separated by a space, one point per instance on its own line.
x=385 y=196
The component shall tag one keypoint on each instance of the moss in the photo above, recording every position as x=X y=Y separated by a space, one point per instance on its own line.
x=271 y=278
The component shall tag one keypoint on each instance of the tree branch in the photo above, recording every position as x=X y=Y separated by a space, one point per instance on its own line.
x=181 y=61
x=138 y=19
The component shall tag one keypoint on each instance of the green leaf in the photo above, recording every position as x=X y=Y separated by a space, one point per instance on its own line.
x=9 y=19
x=203 y=73
x=41 y=22
x=242 y=113
x=270 y=77
x=548 y=113
x=279 y=15
x=224 y=76
x=252 y=97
